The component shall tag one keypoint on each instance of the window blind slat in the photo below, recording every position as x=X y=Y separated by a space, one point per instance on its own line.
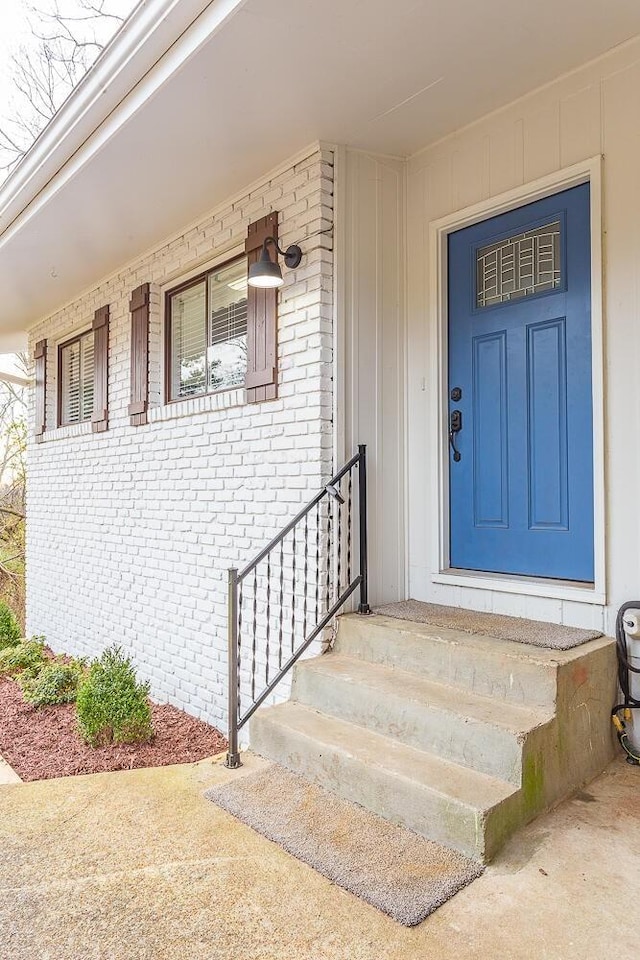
x=209 y=352
x=227 y=333
x=76 y=372
x=188 y=344
x=229 y=323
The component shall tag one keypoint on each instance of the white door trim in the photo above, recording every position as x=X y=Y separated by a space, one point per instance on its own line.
x=587 y=171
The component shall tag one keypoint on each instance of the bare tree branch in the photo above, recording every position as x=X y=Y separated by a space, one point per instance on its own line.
x=67 y=43
x=14 y=513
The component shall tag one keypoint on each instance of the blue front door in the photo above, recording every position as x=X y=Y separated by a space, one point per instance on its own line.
x=520 y=405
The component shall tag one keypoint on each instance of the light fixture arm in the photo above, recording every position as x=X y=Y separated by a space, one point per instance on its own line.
x=292 y=255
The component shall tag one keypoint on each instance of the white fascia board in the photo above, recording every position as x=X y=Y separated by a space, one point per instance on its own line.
x=13 y=378
x=154 y=28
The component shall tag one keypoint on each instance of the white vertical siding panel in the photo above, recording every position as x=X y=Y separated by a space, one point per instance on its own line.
x=428 y=186
x=434 y=186
x=481 y=600
x=505 y=158
x=580 y=125
x=391 y=338
x=579 y=615
x=541 y=141
x=374 y=366
x=621 y=132
x=467 y=173
x=532 y=608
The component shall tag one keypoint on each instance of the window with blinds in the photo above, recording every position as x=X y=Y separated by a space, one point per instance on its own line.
x=208 y=332
x=76 y=380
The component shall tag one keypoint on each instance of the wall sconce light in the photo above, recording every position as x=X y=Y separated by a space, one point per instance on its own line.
x=265 y=273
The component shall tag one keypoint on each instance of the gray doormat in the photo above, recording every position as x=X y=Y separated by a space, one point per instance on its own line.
x=536 y=632
x=392 y=868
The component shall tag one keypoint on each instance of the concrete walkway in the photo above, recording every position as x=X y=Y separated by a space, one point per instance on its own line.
x=137 y=865
x=7 y=774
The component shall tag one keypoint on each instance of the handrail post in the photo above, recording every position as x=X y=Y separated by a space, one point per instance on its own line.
x=233 y=755
x=363 y=606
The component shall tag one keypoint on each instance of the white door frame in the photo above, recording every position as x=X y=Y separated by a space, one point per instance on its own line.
x=588 y=171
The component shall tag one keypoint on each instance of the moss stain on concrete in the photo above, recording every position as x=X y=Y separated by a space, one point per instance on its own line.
x=533 y=783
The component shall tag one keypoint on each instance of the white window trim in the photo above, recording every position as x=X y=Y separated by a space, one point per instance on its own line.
x=588 y=171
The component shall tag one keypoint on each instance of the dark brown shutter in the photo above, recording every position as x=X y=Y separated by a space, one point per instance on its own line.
x=40 y=357
x=100 y=418
x=139 y=309
x=262 y=320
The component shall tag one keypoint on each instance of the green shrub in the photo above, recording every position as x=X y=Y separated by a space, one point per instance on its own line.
x=112 y=707
x=9 y=627
x=56 y=681
x=28 y=655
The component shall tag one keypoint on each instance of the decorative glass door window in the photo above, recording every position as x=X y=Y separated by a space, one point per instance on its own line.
x=208 y=332
x=75 y=368
x=520 y=266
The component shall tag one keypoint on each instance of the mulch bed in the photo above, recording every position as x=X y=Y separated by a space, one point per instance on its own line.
x=41 y=743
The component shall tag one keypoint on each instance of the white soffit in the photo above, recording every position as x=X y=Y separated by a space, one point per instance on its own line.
x=215 y=102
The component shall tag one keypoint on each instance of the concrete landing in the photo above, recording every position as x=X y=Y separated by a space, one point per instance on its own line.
x=140 y=866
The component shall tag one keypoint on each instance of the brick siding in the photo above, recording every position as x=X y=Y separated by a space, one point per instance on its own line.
x=131 y=532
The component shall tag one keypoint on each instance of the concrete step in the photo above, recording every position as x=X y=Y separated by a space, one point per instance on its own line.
x=450 y=722
x=444 y=801
x=515 y=673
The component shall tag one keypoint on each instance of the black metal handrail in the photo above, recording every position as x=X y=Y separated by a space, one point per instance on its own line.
x=328 y=565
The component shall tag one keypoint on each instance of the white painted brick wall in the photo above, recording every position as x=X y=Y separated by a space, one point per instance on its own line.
x=131 y=532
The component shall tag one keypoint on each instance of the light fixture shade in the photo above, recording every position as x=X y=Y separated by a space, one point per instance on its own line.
x=264 y=272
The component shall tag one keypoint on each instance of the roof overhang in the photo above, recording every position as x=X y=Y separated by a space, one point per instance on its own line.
x=194 y=100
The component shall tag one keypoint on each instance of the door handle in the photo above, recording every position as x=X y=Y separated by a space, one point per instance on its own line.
x=455 y=426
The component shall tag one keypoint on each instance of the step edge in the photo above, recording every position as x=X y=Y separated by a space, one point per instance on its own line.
x=542 y=656
x=507 y=789
x=535 y=717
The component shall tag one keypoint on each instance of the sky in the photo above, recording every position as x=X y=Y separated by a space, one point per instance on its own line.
x=15 y=32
